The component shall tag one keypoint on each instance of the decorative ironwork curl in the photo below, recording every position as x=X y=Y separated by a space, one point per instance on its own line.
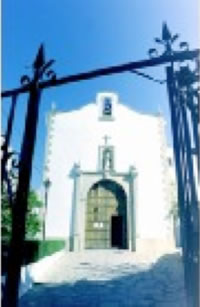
x=153 y=53
x=15 y=163
x=25 y=80
x=167 y=40
x=184 y=46
x=40 y=68
x=51 y=74
x=11 y=174
x=188 y=78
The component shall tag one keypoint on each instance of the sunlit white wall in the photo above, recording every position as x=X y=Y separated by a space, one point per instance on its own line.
x=138 y=139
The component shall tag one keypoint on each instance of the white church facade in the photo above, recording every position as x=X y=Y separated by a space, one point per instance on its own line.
x=108 y=169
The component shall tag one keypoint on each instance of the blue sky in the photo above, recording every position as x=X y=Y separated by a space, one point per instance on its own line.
x=84 y=35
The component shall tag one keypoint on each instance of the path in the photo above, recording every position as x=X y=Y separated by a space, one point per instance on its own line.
x=110 y=279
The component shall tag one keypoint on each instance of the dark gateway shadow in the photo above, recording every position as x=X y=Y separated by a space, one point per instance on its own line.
x=161 y=285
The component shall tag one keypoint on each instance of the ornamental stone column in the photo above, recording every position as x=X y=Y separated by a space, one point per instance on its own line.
x=132 y=208
x=75 y=220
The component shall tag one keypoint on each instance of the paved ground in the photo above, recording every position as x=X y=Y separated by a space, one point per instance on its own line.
x=110 y=279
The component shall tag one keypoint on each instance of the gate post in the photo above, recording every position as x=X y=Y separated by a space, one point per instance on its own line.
x=182 y=129
x=15 y=258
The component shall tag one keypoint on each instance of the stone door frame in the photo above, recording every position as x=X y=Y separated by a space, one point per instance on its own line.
x=83 y=182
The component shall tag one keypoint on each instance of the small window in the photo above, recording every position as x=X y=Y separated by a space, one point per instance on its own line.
x=107 y=106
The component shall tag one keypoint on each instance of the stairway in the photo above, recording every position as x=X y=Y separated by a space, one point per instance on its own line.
x=109 y=278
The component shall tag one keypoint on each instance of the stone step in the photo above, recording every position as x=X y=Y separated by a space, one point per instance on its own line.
x=90 y=264
x=109 y=278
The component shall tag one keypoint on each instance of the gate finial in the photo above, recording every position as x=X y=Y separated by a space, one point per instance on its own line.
x=167 y=40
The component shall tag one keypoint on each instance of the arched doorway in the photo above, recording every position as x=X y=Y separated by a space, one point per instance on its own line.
x=106 y=216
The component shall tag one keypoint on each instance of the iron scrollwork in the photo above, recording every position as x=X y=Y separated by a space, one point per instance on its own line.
x=167 y=40
x=11 y=175
x=41 y=69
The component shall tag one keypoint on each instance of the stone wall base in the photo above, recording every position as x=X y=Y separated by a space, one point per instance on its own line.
x=154 y=245
x=142 y=245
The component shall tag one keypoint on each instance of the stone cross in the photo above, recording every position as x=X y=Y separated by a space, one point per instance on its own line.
x=106 y=138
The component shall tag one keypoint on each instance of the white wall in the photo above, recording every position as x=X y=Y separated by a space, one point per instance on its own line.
x=74 y=137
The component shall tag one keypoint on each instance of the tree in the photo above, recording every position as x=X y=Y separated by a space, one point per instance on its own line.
x=6 y=217
x=33 y=221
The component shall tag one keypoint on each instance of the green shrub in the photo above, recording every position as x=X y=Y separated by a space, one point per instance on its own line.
x=33 y=220
x=49 y=247
x=35 y=249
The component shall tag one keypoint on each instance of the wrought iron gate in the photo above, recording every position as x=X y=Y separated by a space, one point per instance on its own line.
x=184 y=104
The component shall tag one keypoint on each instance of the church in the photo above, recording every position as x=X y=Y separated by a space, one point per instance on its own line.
x=109 y=174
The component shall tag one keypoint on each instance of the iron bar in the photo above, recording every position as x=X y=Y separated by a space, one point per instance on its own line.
x=20 y=206
x=139 y=73
x=194 y=104
x=175 y=124
x=186 y=202
x=177 y=152
x=6 y=143
x=164 y=59
x=15 y=258
x=187 y=193
x=193 y=218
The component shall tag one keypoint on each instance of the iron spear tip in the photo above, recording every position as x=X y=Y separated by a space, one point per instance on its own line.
x=40 y=58
x=166 y=35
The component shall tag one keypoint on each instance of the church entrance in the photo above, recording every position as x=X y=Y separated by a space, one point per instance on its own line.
x=117 y=231
x=106 y=216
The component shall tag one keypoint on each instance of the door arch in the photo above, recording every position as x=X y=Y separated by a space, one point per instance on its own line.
x=106 y=216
